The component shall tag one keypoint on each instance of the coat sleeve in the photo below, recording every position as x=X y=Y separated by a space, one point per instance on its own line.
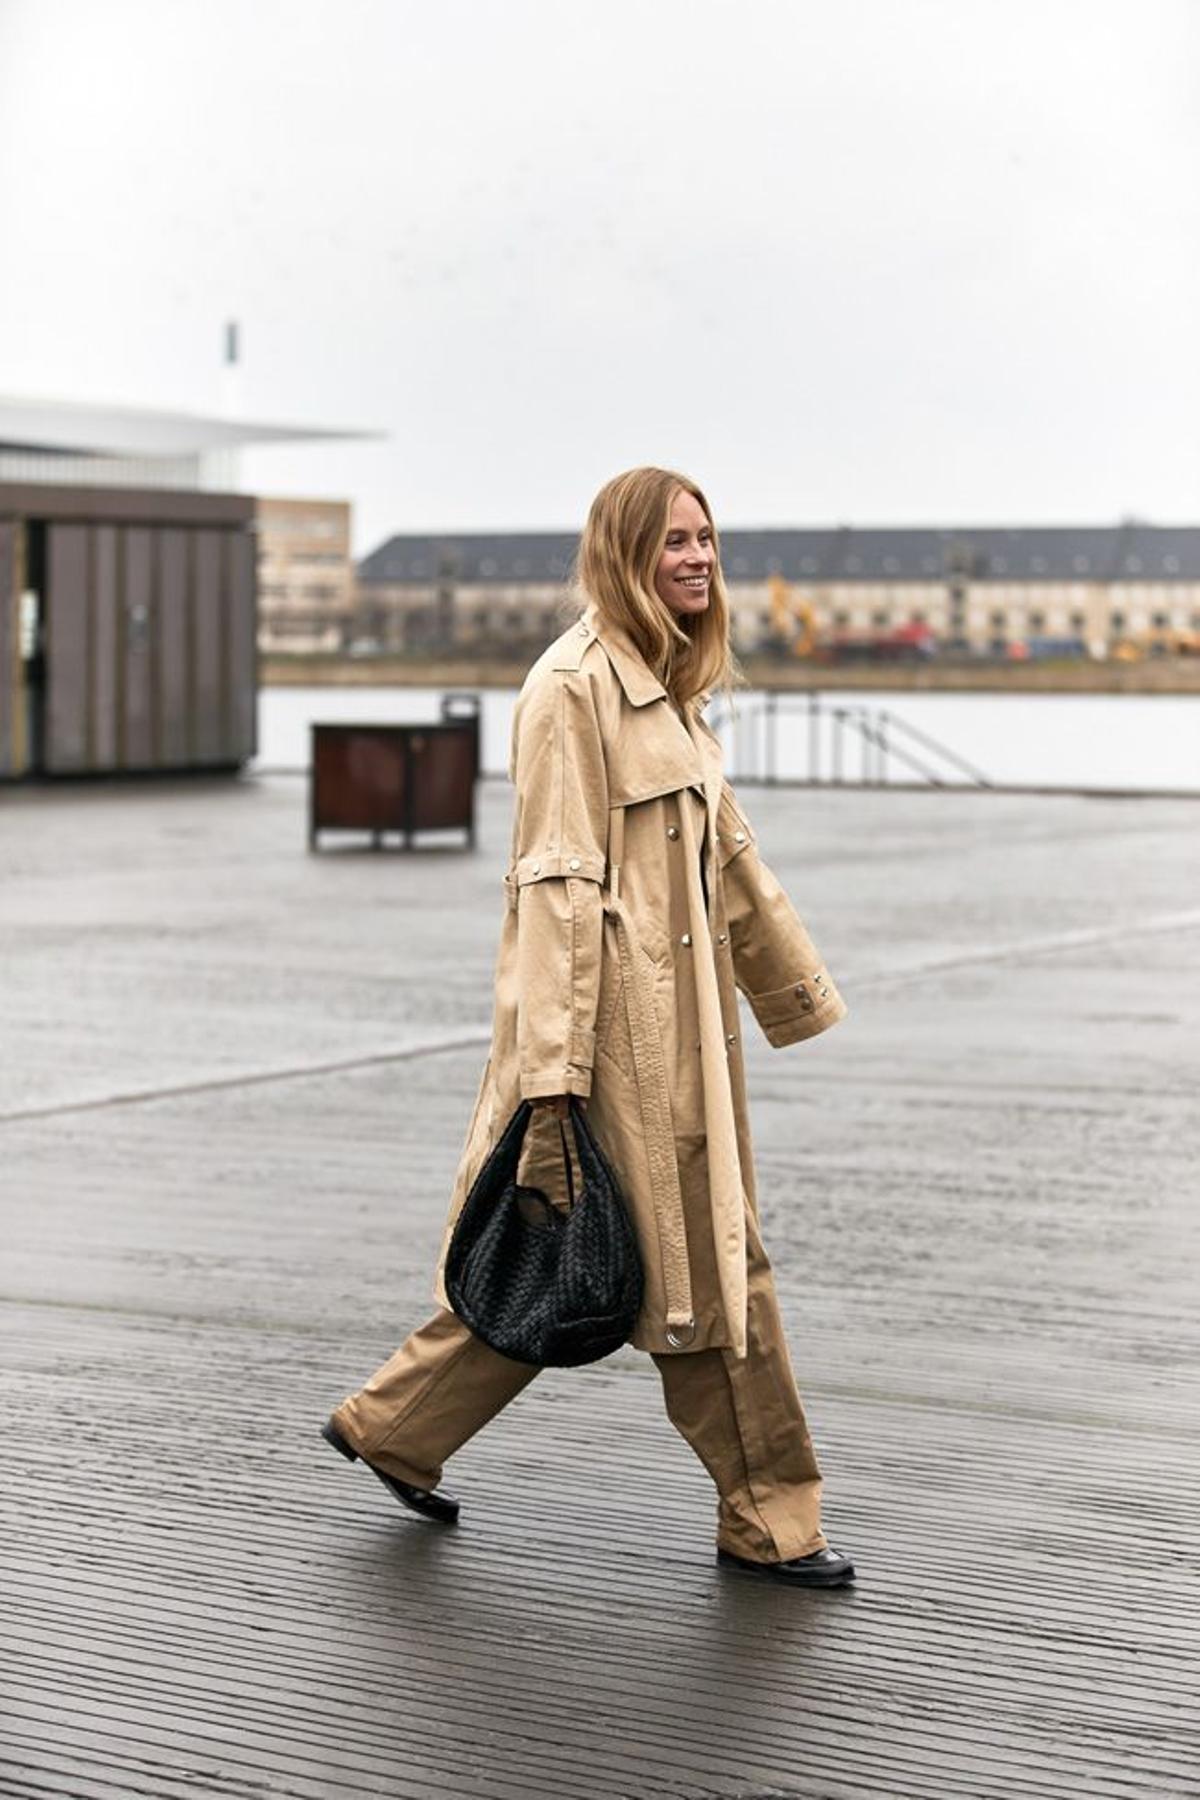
x=555 y=881
x=775 y=963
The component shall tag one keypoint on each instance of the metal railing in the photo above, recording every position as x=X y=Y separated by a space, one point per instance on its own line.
x=883 y=738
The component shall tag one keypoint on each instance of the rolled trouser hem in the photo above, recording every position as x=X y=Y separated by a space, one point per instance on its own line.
x=785 y=1547
x=426 y=1479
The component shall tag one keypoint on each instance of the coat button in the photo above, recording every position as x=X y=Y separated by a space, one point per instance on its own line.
x=722 y=938
x=686 y=940
x=574 y=863
x=732 y=1038
x=739 y=837
x=535 y=868
x=583 y=631
x=672 y=831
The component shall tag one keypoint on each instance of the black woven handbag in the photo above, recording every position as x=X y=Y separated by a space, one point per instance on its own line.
x=538 y=1284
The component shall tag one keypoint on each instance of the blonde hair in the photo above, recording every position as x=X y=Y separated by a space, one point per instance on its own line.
x=618 y=555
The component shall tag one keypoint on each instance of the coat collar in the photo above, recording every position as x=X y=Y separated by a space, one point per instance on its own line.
x=638 y=680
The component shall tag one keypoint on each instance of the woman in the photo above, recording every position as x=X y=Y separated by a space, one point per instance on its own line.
x=637 y=906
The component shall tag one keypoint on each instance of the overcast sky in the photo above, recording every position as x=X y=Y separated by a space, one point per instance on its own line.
x=863 y=261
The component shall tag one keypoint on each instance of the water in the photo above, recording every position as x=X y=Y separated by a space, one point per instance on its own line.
x=1089 y=741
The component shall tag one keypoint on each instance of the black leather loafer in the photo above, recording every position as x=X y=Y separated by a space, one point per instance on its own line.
x=441 y=1507
x=824 y=1568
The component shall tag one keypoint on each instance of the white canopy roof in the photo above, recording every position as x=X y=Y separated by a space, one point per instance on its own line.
x=80 y=427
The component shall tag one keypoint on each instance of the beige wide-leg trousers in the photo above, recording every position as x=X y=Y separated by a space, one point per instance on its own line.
x=741 y=1415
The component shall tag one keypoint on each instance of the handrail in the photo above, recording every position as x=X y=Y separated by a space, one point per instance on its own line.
x=941 y=749
x=876 y=728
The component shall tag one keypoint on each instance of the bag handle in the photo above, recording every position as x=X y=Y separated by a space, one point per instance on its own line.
x=566 y=1150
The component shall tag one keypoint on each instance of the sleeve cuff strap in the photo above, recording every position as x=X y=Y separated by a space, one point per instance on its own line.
x=585 y=865
x=798 y=1011
x=568 y=1081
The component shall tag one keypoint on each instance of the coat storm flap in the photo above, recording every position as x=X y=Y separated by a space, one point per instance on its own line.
x=624 y=989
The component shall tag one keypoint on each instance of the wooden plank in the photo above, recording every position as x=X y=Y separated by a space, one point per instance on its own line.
x=67 y=603
x=983 y=1239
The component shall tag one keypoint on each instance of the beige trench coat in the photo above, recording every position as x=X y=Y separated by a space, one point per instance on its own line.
x=617 y=979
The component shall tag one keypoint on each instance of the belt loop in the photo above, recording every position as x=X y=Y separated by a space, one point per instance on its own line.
x=616 y=850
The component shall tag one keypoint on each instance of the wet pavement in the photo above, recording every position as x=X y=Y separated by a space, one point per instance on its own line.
x=234 y=1081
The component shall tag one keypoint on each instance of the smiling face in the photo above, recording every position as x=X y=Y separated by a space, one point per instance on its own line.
x=684 y=573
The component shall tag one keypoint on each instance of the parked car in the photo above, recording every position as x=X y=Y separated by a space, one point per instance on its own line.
x=907 y=643
x=1042 y=649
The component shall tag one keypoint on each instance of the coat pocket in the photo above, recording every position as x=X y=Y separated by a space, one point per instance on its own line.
x=613 y=1038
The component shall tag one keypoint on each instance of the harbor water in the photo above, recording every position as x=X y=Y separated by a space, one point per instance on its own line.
x=1093 y=742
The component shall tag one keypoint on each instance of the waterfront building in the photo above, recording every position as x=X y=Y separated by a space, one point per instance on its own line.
x=978 y=589
x=305 y=575
x=129 y=585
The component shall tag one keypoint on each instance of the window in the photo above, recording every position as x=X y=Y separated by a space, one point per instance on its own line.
x=999 y=620
x=841 y=619
x=1160 y=620
x=1037 y=621
x=917 y=616
x=879 y=617
x=1078 y=621
x=1118 y=621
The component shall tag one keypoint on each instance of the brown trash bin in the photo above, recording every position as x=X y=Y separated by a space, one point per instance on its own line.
x=396 y=778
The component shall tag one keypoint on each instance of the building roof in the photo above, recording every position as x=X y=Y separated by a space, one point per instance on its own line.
x=1129 y=551
x=75 y=427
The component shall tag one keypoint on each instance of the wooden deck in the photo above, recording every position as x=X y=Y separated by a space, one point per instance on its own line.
x=233 y=1084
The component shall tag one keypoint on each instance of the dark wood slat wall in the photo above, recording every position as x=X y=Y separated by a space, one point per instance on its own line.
x=152 y=662
x=67 y=650
x=208 y=647
x=139 y=622
x=241 y=683
x=104 y=746
x=174 y=724
x=11 y=706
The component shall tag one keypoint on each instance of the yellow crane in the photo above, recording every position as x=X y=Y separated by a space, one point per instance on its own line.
x=793 y=622
x=1161 y=642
